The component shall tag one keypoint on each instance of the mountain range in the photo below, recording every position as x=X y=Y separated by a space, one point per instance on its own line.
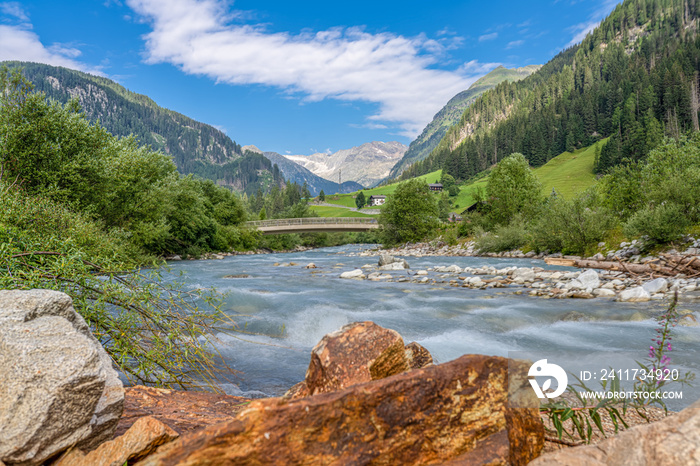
x=366 y=164
x=300 y=175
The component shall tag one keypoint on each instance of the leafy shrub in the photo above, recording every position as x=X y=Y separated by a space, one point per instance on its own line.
x=505 y=237
x=154 y=331
x=662 y=224
x=574 y=226
x=410 y=214
x=512 y=188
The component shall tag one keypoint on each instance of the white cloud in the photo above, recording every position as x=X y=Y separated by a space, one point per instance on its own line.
x=515 y=43
x=395 y=72
x=15 y=10
x=19 y=42
x=486 y=37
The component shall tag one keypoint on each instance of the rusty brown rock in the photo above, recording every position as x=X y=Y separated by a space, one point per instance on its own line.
x=182 y=411
x=139 y=441
x=418 y=357
x=425 y=416
x=672 y=441
x=357 y=353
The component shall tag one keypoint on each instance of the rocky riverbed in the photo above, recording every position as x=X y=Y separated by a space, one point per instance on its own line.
x=618 y=285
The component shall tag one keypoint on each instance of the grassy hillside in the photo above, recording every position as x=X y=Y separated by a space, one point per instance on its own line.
x=326 y=211
x=569 y=173
x=348 y=200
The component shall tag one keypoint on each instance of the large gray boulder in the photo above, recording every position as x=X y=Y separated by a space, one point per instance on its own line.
x=57 y=384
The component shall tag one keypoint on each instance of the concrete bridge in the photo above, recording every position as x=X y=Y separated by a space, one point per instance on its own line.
x=314 y=224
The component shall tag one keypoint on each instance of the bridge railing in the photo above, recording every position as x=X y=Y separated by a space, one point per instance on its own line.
x=282 y=222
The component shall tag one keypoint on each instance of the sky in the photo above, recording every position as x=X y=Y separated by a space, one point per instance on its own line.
x=297 y=77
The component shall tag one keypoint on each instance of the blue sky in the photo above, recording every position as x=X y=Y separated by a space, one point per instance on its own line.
x=297 y=77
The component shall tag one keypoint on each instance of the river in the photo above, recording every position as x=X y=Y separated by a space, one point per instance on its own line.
x=292 y=308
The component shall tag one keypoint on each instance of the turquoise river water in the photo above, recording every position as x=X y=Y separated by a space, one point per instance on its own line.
x=292 y=308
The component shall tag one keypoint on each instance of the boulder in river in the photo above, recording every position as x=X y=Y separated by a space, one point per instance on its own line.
x=57 y=384
x=353 y=274
x=634 y=295
x=398 y=265
x=357 y=353
x=139 y=441
x=658 y=285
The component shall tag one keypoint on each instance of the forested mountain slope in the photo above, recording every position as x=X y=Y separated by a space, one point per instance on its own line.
x=633 y=79
x=194 y=146
x=450 y=114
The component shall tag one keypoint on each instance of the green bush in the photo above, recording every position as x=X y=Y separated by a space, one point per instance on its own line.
x=662 y=224
x=571 y=227
x=504 y=237
x=410 y=213
x=154 y=331
x=512 y=188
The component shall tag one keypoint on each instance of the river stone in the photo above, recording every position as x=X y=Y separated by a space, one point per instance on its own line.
x=603 y=293
x=634 y=295
x=460 y=411
x=353 y=274
x=658 y=285
x=523 y=274
x=589 y=279
x=398 y=265
x=418 y=357
x=386 y=259
x=671 y=441
x=57 y=385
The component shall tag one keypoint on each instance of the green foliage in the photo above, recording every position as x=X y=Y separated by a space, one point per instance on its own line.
x=53 y=150
x=504 y=237
x=360 y=200
x=572 y=227
x=622 y=190
x=410 y=214
x=512 y=188
x=660 y=224
x=154 y=331
x=322 y=196
x=672 y=175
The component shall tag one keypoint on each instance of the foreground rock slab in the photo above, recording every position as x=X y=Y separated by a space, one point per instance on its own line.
x=672 y=441
x=57 y=385
x=139 y=441
x=359 y=352
x=182 y=411
x=458 y=410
